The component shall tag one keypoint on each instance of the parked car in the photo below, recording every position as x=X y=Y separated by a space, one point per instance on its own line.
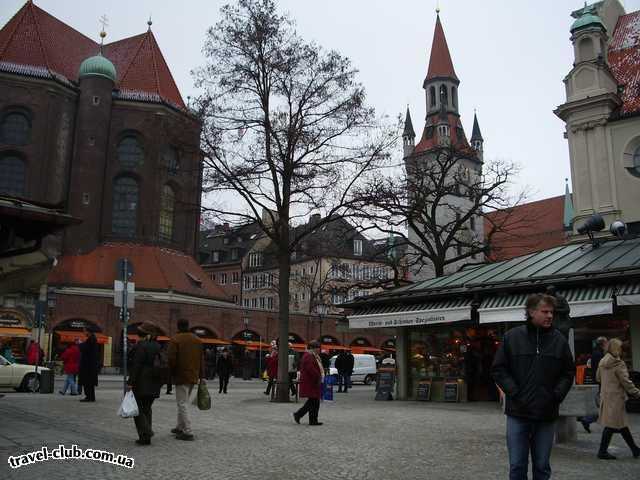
x=364 y=368
x=633 y=404
x=19 y=376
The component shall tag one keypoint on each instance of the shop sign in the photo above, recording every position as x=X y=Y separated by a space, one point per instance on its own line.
x=328 y=340
x=424 y=391
x=427 y=317
x=451 y=392
x=385 y=384
x=201 y=332
x=389 y=344
x=360 y=341
x=12 y=318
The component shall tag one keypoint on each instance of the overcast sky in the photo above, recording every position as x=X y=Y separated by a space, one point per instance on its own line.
x=510 y=55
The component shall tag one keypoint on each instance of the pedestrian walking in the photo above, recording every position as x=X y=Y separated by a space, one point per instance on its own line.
x=344 y=365
x=224 y=370
x=145 y=380
x=311 y=377
x=272 y=368
x=187 y=367
x=71 y=365
x=33 y=353
x=89 y=366
x=598 y=353
x=535 y=369
x=613 y=376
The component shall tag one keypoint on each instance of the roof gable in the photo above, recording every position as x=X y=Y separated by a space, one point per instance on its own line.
x=35 y=38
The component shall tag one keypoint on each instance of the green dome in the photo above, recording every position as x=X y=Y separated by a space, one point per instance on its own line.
x=99 y=66
x=587 y=19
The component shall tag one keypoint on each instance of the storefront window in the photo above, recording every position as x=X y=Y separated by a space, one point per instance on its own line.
x=445 y=354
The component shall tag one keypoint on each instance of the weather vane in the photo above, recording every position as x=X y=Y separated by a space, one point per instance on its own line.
x=104 y=21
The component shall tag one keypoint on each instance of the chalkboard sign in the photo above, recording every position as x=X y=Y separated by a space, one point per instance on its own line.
x=451 y=392
x=589 y=377
x=385 y=384
x=424 y=391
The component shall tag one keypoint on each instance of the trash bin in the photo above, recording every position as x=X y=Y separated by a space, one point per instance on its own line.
x=47 y=378
x=327 y=389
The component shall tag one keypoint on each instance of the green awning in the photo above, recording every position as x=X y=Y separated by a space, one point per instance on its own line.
x=584 y=302
x=444 y=311
x=628 y=294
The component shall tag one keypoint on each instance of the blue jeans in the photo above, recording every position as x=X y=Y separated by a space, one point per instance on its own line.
x=70 y=383
x=344 y=379
x=524 y=436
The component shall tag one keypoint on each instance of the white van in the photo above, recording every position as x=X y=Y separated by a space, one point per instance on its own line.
x=364 y=368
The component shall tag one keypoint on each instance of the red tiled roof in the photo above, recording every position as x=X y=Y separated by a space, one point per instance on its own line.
x=528 y=228
x=35 y=38
x=624 y=60
x=458 y=137
x=440 y=64
x=155 y=268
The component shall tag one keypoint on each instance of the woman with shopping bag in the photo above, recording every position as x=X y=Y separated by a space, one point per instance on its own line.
x=145 y=380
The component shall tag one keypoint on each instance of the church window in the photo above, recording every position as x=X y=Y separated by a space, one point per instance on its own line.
x=444 y=96
x=454 y=97
x=171 y=160
x=15 y=128
x=432 y=96
x=130 y=153
x=167 y=213
x=12 y=176
x=585 y=49
x=636 y=162
x=125 y=207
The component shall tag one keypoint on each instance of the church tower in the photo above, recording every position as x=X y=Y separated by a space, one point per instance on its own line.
x=443 y=134
x=592 y=99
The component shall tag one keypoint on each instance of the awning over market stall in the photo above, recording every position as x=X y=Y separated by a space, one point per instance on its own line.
x=15 y=332
x=584 y=302
x=628 y=294
x=70 y=336
x=444 y=311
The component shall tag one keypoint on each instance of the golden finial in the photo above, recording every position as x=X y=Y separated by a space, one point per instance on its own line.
x=104 y=21
x=149 y=22
x=438 y=7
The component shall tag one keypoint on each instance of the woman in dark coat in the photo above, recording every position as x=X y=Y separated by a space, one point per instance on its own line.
x=89 y=366
x=311 y=376
x=146 y=380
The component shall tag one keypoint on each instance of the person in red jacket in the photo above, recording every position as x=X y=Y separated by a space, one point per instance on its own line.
x=33 y=354
x=71 y=359
x=272 y=368
x=311 y=376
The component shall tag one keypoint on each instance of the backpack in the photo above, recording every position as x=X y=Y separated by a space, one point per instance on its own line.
x=161 y=366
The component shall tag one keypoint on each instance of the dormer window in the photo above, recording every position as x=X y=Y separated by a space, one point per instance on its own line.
x=357 y=247
x=255 y=259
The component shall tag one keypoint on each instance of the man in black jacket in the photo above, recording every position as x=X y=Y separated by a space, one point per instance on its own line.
x=535 y=369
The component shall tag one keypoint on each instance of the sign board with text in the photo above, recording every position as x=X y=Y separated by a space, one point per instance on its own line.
x=118 y=294
x=405 y=319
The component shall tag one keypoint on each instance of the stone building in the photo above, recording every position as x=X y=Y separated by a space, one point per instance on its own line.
x=443 y=133
x=602 y=113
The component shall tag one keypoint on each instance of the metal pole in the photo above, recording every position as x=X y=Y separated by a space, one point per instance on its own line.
x=125 y=315
x=260 y=356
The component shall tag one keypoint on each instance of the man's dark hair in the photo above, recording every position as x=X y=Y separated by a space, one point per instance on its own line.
x=534 y=301
x=183 y=325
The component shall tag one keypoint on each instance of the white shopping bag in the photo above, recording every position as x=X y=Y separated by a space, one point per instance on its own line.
x=129 y=406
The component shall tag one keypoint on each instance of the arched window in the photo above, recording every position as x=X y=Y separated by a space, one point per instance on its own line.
x=454 y=97
x=15 y=129
x=444 y=96
x=585 y=48
x=171 y=160
x=125 y=207
x=432 y=96
x=167 y=211
x=130 y=153
x=636 y=161
x=12 y=176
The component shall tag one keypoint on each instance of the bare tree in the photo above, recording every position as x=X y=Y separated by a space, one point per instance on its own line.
x=286 y=131
x=439 y=204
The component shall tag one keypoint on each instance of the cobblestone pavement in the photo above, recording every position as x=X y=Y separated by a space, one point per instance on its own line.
x=246 y=437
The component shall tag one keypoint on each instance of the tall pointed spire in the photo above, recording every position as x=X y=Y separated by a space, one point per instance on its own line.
x=408 y=126
x=440 y=63
x=568 y=207
x=475 y=134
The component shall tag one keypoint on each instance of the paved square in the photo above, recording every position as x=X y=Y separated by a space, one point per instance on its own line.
x=246 y=437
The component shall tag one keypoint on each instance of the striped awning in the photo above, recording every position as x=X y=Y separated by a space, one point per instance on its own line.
x=584 y=302
x=443 y=311
x=628 y=294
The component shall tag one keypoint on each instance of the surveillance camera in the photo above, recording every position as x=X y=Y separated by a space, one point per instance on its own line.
x=594 y=223
x=618 y=228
